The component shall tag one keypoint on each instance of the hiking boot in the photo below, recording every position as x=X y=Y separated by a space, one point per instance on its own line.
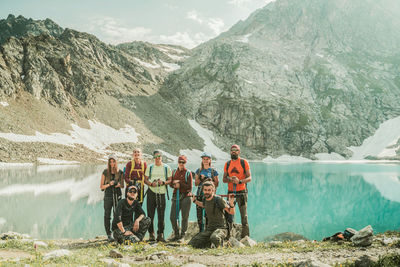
x=182 y=238
x=110 y=238
x=160 y=237
x=174 y=238
x=152 y=237
x=133 y=239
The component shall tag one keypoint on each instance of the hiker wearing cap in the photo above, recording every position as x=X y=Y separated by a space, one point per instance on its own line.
x=134 y=173
x=216 y=230
x=205 y=172
x=181 y=201
x=237 y=175
x=130 y=222
x=157 y=176
x=111 y=183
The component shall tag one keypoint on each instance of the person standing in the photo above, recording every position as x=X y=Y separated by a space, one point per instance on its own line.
x=157 y=176
x=111 y=183
x=134 y=173
x=216 y=229
x=237 y=175
x=129 y=222
x=181 y=201
x=205 y=172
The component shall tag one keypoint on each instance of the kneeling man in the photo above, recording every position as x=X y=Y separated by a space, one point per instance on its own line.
x=215 y=206
x=123 y=225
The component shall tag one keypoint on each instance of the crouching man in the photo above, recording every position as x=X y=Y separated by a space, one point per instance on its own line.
x=216 y=229
x=123 y=225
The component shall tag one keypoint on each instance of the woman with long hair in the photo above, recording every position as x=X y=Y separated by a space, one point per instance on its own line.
x=112 y=180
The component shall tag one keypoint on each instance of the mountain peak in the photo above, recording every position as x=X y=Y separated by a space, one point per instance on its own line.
x=20 y=26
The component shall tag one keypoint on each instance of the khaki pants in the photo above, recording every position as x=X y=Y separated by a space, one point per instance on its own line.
x=209 y=237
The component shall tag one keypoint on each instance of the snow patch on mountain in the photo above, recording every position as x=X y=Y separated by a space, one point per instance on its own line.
x=209 y=146
x=378 y=145
x=97 y=138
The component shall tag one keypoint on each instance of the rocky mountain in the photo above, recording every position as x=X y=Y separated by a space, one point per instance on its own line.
x=297 y=77
x=51 y=78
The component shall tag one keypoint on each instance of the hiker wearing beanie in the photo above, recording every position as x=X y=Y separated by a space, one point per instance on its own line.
x=237 y=175
x=134 y=173
x=204 y=173
x=181 y=201
x=157 y=177
x=216 y=230
x=130 y=223
x=111 y=183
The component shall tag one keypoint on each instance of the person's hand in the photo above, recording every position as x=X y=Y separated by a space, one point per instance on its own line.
x=118 y=185
x=160 y=182
x=193 y=198
x=154 y=184
x=235 y=180
x=112 y=182
x=202 y=177
x=176 y=184
x=231 y=198
x=136 y=226
x=128 y=233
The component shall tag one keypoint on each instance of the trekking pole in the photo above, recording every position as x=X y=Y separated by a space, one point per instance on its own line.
x=177 y=206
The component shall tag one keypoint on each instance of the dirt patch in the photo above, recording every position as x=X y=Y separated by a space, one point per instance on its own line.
x=13 y=254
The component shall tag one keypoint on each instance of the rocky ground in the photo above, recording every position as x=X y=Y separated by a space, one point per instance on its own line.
x=17 y=250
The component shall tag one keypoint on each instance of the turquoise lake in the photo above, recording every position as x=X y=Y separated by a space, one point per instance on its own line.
x=311 y=199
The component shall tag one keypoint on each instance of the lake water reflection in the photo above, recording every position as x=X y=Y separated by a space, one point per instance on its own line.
x=312 y=199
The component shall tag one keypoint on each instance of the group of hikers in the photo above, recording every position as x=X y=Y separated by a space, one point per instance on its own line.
x=214 y=213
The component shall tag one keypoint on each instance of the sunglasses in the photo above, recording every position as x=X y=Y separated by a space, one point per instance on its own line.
x=234 y=150
x=181 y=162
x=133 y=190
x=157 y=156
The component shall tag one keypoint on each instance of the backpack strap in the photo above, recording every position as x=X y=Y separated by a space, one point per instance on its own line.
x=212 y=173
x=187 y=176
x=243 y=165
x=227 y=166
x=150 y=171
x=166 y=179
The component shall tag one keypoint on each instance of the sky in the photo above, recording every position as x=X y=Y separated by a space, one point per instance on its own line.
x=182 y=22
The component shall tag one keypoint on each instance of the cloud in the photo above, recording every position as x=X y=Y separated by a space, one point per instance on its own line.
x=249 y=3
x=194 y=15
x=112 y=31
x=216 y=25
x=238 y=2
x=184 y=39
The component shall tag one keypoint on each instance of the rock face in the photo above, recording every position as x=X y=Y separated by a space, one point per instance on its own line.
x=297 y=77
x=81 y=78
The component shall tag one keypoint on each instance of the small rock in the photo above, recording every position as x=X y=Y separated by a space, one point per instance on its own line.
x=154 y=257
x=235 y=243
x=40 y=244
x=364 y=261
x=311 y=263
x=183 y=249
x=194 y=265
x=273 y=244
x=247 y=241
x=14 y=235
x=57 y=254
x=115 y=254
x=140 y=258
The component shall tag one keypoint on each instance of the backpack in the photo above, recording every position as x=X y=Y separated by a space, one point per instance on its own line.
x=186 y=174
x=241 y=163
x=165 y=173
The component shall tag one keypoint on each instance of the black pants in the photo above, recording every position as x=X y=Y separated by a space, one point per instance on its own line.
x=156 y=202
x=109 y=202
x=201 y=220
x=137 y=236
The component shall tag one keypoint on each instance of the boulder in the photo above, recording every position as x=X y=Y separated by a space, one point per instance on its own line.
x=14 y=235
x=235 y=243
x=57 y=254
x=364 y=237
x=115 y=254
x=247 y=241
